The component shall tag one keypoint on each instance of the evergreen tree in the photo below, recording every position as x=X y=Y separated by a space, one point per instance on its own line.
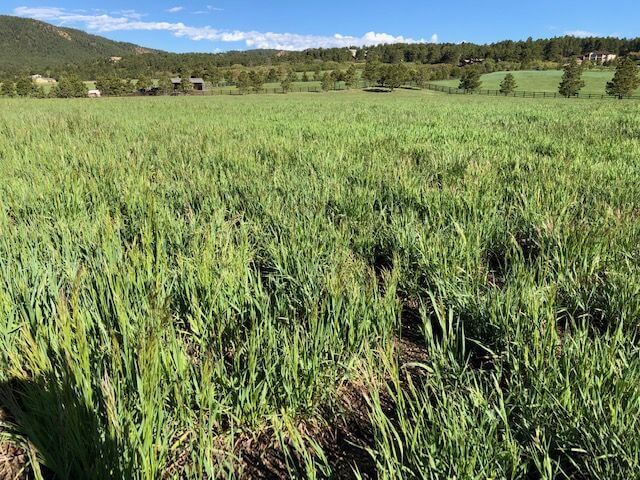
x=305 y=76
x=215 y=76
x=327 y=81
x=626 y=79
x=397 y=74
x=144 y=83
x=39 y=92
x=572 y=82
x=25 y=88
x=420 y=77
x=470 y=80
x=112 y=86
x=272 y=76
x=371 y=72
x=351 y=77
x=244 y=82
x=336 y=76
x=70 y=87
x=165 y=86
x=317 y=72
x=257 y=81
x=508 y=85
x=287 y=81
x=185 y=85
x=8 y=88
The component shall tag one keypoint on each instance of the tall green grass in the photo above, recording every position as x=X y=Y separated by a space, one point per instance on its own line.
x=181 y=278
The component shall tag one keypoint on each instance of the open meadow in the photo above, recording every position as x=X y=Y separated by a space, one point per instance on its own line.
x=340 y=285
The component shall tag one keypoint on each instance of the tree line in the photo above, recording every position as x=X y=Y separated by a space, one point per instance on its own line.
x=526 y=54
x=625 y=82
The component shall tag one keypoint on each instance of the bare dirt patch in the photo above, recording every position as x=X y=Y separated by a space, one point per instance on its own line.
x=13 y=459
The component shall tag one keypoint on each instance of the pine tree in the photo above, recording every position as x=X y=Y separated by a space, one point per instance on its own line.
x=70 y=87
x=572 y=82
x=470 y=80
x=112 y=86
x=8 y=88
x=25 y=88
x=326 y=82
x=396 y=75
x=143 y=84
x=165 y=86
x=317 y=72
x=626 y=80
x=371 y=72
x=257 y=81
x=244 y=82
x=272 y=76
x=508 y=85
x=351 y=77
x=287 y=81
x=420 y=76
x=185 y=85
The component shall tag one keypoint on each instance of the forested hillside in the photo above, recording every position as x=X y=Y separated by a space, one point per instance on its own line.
x=32 y=45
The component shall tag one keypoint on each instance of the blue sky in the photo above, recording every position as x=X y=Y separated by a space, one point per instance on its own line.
x=219 y=25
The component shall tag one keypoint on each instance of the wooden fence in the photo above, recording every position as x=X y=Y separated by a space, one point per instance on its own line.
x=523 y=94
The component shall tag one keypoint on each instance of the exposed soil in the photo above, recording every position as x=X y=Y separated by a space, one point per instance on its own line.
x=346 y=440
x=13 y=459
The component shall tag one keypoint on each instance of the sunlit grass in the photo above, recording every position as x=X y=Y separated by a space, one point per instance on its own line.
x=180 y=274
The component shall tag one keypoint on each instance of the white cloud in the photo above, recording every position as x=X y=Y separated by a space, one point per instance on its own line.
x=175 y=9
x=104 y=23
x=581 y=33
x=208 y=9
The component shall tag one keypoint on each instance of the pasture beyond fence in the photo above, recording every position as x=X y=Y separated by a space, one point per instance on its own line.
x=339 y=86
x=523 y=94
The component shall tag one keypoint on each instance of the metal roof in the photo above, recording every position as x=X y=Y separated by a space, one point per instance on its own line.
x=192 y=80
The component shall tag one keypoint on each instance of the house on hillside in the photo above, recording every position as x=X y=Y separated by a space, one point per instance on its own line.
x=597 y=57
x=40 y=80
x=471 y=61
x=196 y=83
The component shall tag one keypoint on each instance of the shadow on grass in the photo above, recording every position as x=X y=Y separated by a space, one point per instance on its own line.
x=378 y=90
x=70 y=437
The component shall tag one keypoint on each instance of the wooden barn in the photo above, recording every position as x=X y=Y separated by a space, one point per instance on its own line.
x=196 y=83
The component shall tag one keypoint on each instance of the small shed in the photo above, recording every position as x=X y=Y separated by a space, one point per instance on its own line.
x=94 y=93
x=196 y=83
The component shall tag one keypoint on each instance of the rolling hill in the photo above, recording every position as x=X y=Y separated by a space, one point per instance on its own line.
x=33 y=45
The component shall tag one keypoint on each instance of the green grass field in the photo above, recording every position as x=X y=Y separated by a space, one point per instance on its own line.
x=541 y=81
x=341 y=285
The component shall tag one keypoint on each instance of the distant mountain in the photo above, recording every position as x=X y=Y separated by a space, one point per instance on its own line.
x=27 y=44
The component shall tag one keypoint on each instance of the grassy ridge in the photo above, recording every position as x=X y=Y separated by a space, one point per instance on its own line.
x=209 y=271
x=541 y=81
